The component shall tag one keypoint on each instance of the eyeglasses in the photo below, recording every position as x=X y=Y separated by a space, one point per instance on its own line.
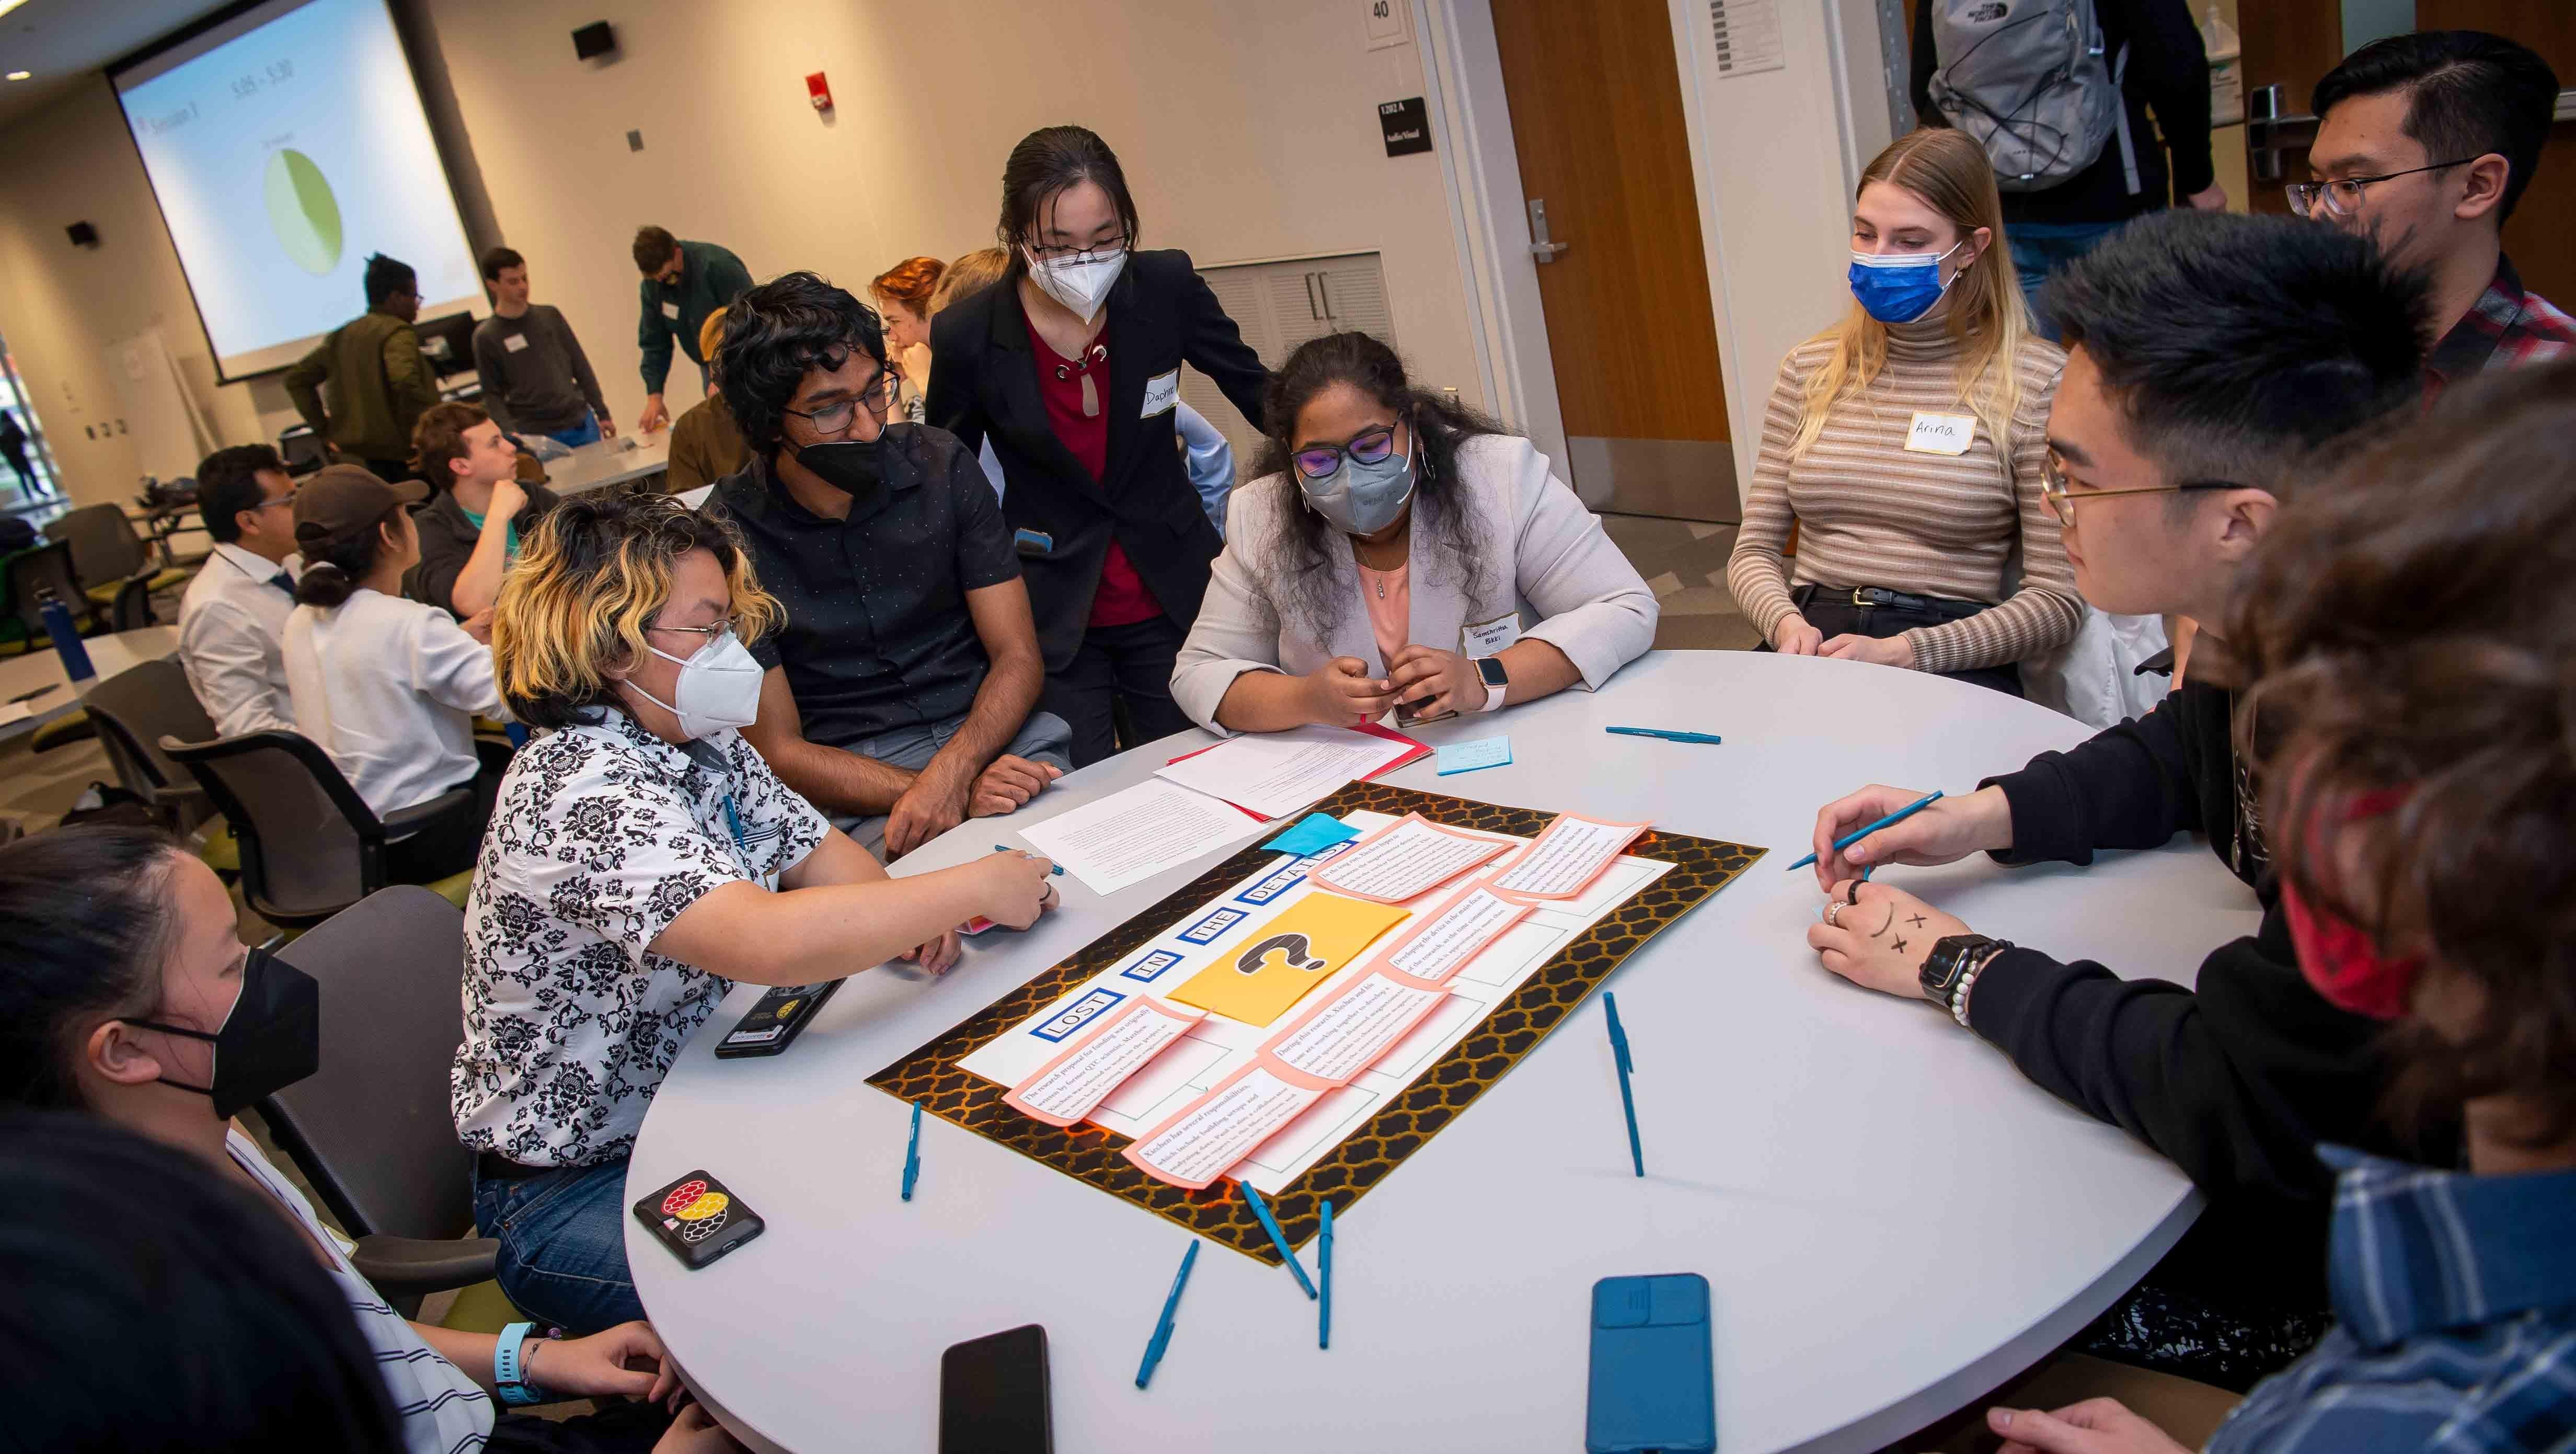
x=1067 y=253
x=708 y=634
x=2342 y=195
x=833 y=418
x=2057 y=492
x=1369 y=446
x=282 y=502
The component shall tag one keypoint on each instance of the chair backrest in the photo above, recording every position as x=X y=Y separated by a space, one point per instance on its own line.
x=105 y=548
x=371 y=1129
x=302 y=828
x=134 y=709
x=303 y=450
x=31 y=571
x=132 y=608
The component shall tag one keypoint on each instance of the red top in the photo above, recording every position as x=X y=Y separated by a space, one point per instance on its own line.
x=1122 y=599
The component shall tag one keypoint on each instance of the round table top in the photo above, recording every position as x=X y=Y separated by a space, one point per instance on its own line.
x=606 y=462
x=1891 y=1219
x=40 y=671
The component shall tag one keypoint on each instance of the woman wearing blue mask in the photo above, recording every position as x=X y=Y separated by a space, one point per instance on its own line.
x=1906 y=446
x=1387 y=557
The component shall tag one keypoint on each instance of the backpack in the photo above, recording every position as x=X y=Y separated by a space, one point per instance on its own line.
x=2027 y=79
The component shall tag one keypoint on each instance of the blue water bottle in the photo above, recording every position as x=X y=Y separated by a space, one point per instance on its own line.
x=67 y=640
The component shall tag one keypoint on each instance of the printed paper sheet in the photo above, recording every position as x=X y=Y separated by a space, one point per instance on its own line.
x=1409 y=858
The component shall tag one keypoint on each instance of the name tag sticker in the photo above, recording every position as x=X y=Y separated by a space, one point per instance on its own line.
x=515 y=343
x=1162 y=391
x=1488 y=638
x=1941 y=433
x=671 y=311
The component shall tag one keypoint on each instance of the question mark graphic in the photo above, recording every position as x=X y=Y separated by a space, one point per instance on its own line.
x=1295 y=948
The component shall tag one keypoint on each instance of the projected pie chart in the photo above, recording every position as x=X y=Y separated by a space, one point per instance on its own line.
x=303 y=212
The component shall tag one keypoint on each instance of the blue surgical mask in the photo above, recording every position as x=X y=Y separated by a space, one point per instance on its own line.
x=1900 y=287
x=1362 y=499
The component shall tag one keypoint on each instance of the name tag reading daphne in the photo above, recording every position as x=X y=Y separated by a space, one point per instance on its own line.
x=1941 y=433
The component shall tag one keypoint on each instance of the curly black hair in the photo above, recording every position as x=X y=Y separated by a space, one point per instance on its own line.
x=775 y=334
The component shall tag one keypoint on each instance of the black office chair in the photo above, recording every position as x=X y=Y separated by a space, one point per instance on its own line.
x=109 y=557
x=371 y=1130
x=24 y=578
x=310 y=846
x=132 y=712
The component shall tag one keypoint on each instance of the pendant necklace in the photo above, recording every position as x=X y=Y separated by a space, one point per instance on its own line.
x=1092 y=358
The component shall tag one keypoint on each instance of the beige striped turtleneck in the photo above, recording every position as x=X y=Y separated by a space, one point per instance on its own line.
x=1871 y=513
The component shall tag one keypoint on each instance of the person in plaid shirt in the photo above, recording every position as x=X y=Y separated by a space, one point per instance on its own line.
x=2425 y=142
x=2420 y=790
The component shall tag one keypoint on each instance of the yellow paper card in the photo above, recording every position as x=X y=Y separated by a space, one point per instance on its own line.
x=1298 y=951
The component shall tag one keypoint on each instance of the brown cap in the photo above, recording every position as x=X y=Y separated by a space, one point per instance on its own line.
x=344 y=499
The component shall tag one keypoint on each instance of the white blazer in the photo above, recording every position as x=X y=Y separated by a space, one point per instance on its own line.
x=1547 y=562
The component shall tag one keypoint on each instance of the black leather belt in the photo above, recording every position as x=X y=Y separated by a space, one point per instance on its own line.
x=497 y=1167
x=1864 y=597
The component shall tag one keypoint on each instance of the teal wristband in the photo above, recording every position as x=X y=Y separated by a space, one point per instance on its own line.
x=509 y=1368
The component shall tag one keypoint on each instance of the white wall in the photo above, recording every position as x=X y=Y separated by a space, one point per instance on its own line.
x=1248 y=132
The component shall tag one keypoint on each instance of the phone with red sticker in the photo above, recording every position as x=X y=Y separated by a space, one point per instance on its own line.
x=977 y=925
x=699 y=1219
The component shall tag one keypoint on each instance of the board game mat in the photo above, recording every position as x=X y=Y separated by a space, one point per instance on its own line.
x=932 y=1077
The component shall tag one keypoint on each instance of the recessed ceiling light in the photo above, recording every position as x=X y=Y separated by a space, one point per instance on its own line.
x=20 y=75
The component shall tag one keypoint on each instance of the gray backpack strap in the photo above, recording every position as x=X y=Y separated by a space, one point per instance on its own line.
x=2120 y=118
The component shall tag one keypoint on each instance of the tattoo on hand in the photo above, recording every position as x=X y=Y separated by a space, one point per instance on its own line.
x=1890 y=924
x=1900 y=946
x=1916 y=921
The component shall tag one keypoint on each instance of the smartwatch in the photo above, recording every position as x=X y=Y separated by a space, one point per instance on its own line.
x=1950 y=959
x=509 y=1368
x=1496 y=681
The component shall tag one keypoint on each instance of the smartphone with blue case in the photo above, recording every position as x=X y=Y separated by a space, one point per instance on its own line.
x=1654 y=1384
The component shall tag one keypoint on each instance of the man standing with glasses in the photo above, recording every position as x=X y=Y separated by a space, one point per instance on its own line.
x=899 y=690
x=2425 y=142
x=2213 y=360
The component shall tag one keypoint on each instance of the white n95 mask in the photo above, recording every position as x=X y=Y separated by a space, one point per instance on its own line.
x=1081 y=284
x=718 y=688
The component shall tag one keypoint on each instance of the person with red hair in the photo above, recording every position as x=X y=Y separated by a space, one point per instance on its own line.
x=902 y=294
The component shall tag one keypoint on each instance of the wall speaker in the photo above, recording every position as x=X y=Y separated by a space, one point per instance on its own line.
x=595 y=39
x=83 y=234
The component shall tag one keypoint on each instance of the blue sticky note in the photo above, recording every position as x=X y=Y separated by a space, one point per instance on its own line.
x=1313 y=834
x=1469 y=756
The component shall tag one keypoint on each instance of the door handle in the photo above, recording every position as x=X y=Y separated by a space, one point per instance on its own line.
x=1541 y=246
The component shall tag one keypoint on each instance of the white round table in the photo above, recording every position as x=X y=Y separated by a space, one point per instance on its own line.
x=1891 y=1219
x=40 y=671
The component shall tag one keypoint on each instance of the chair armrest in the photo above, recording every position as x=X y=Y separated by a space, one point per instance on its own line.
x=405 y=1267
x=420 y=815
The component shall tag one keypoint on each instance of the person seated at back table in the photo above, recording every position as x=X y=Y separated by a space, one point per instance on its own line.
x=388 y=687
x=900 y=687
x=642 y=859
x=1905 y=444
x=1313 y=614
x=2214 y=358
x=135 y=1002
x=706 y=445
x=2422 y=796
x=481 y=514
x=232 y=621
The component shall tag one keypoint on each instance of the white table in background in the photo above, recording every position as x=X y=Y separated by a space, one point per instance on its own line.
x=42 y=668
x=1891 y=1218
x=610 y=462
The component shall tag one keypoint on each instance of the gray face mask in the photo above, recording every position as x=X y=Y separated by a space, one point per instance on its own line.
x=1362 y=499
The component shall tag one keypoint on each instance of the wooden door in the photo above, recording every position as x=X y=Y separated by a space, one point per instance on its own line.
x=1596 y=107
x=2295 y=42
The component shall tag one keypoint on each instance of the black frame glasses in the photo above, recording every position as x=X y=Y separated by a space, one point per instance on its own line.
x=1067 y=252
x=2343 y=195
x=1370 y=446
x=879 y=396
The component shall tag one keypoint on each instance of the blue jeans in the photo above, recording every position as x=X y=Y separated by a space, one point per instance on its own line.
x=563 y=1244
x=1044 y=737
x=586 y=432
x=2041 y=248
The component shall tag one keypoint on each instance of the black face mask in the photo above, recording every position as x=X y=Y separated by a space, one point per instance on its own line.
x=271 y=1040
x=855 y=467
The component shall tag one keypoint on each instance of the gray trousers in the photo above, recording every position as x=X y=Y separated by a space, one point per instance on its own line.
x=1044 y=737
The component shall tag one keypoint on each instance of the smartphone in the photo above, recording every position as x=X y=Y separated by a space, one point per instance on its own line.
x=775 y=1022
x=1653 y=1384
x=993 y=1395
x=1410 y=714
x=699 y=1219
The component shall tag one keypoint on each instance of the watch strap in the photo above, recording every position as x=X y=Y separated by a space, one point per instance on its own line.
x=509 y=1367
x=1494 y=689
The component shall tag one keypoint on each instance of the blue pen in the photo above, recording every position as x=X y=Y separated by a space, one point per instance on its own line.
x=1278 y=1239
x=1058 y=869
x=1324 y=1271
x=912 y=1154
x=1667 y=734
x=1163 y=1326
x=1627 y=1064
x=1857 y=834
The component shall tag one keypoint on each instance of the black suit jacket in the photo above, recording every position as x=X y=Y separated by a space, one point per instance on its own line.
x=984 y=385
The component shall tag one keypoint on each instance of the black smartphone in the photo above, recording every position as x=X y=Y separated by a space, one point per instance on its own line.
x=993 y=1395
x=775 y=1022
x=699 y=1219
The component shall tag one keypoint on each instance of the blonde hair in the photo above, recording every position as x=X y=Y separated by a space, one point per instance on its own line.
x=1950 y=174
x=972 y=273
x=594 y=575
x=711 y=334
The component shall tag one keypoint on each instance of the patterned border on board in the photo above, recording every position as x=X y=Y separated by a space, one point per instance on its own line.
x=932 y=1076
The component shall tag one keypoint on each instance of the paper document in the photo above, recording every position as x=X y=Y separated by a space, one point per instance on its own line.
x=1435 y=947
x=1566 y=858
x=1135 y=833
x=1347 y=1033
x=1065 y=1089
x=1207 y=1137
x=1313 y=832
x=1277 y=773
x=15 y=712
x=1300 y=949
x=1407 y=860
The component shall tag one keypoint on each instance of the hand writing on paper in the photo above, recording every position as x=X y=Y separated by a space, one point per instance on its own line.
x=1341 y=693
x=1871 y=958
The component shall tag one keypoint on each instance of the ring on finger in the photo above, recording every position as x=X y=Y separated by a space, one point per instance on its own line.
x=1833 y=913
x=1853 y=896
